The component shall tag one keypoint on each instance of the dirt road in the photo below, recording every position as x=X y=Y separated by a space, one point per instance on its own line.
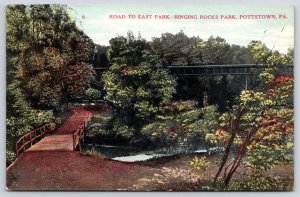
x=51 y=164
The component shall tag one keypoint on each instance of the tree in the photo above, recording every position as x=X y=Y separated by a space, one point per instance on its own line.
x=180 y=50
x=55 y=60
x=135 y=84
x=177 y=49
x=260 y=128
x=47 y=63
x=21 y=118
x=130 y=50
x=240 y=55
x=259 y=51
x=216 y=51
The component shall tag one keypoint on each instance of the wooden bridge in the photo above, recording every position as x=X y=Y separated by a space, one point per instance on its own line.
x=43 y=135
x=68 y=137
x=29 y=139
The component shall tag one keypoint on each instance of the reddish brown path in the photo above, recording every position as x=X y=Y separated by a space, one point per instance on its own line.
x=68 y=170
x=51 y=164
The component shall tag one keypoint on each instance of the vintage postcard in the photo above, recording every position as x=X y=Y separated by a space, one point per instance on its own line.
x=137 y=97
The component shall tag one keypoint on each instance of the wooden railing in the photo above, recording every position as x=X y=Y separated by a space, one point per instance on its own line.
x=78 y=137
x=30 y=138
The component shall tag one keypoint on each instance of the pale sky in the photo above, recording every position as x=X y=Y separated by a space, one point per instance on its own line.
x=98 y=26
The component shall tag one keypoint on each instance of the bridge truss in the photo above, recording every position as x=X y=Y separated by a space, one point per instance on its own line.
x=246 y=70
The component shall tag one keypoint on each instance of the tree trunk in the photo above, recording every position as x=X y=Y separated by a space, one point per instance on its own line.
x=226 y=154
x=239 y=156
x=234 y=127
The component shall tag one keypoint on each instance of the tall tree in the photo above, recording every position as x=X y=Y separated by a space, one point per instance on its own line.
x=177 y=49
x=57 y=61
x=47 y=63
x=260 y=128
x=216 y=51
x=135 y=83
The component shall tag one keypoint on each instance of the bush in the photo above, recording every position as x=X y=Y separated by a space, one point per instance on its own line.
x=263 y=183
x=199 y=164
x=109 y=124
x=92 y=94
x=10 y=157
x=22 y=118
x=178 y=127
x=183 y=125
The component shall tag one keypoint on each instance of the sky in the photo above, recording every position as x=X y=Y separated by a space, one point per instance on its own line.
x=95 y=21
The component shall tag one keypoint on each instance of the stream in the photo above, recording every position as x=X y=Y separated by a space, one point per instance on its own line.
x=131 y=154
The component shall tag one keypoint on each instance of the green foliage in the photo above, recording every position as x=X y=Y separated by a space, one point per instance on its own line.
x=216 y=51
x=259 y=51
x=42 y=87
x=261 y=182
x=21 y=118
x=177 y=49
x=183 y=123
x=241 y=55
x=109 y=124
x=10 y=156
x=177 y=125
x=208 y=120
x=131 y=50
x=92 y=94
x=261 y=54
x=142 y=88
x=199 y=164
x=134 y=84
x=47 y=64
x=259 y=130
x=48 y=54
x=100 y=124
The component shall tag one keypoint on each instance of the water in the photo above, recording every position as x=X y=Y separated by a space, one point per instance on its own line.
x=131 y=154
x=138 y=157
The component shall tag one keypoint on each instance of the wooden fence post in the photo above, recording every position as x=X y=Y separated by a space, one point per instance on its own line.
x=80 y=148
x=74 y=142
x=30 y=136
x=24 y=148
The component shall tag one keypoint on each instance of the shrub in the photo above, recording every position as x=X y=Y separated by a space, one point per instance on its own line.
x=199 y=164
x=263 y=183
x=92 y=94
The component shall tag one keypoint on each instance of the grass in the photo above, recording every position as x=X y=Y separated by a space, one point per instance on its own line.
x=93 y=153
x=176 y=175
x=173 y=173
